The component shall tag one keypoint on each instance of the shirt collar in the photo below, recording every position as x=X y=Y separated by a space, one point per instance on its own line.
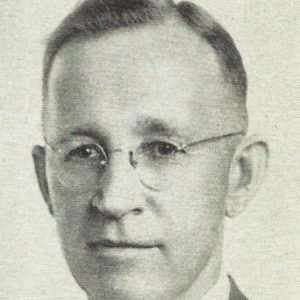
x=220 y=290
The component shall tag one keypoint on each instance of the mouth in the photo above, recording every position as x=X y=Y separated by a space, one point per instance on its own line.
x=94 y=245
x=122 y=251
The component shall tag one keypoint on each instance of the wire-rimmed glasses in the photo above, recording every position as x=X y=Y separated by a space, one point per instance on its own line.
x=81 y=164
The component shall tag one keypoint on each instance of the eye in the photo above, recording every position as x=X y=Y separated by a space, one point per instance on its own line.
x=160 y=149
x=87 y=152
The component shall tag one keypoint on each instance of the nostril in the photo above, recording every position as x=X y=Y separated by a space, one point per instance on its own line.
x=93 y=210
x=111 y=208
x=95 y=202
x=133 y=162
x=137 y=211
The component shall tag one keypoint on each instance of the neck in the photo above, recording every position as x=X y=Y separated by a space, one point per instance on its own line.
x=207 y=279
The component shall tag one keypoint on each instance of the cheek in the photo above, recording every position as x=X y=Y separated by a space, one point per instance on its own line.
x=195 y=210
x=200 y=192
x=70 y=210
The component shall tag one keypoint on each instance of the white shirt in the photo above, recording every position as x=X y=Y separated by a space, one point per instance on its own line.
x=221 y=290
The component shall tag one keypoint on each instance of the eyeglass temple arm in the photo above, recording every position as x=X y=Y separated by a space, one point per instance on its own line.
x=188 y=145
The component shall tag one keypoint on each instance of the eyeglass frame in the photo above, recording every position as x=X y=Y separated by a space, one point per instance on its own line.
x=181 y=148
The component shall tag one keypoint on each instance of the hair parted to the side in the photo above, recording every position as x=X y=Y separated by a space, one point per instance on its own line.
x=93 y=17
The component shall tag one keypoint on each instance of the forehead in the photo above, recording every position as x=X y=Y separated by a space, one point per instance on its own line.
x=164 y=71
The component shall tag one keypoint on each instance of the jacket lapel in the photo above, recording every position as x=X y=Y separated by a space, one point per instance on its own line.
x=235 y=293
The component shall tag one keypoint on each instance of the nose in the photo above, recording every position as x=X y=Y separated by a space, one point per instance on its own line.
x=120 y=194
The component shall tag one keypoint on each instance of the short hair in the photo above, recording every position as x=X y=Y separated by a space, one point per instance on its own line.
x=94 y=17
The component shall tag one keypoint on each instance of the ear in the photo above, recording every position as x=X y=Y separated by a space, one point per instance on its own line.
x=39 y=158
x=248 y=169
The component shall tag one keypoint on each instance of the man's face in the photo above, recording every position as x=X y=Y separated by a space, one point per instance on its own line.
x=157 y=86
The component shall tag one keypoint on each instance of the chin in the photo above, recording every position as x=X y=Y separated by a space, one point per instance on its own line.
x=130 y=288
x=122 y=278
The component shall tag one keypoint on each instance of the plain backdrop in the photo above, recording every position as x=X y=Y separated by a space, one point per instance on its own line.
x=262 y=246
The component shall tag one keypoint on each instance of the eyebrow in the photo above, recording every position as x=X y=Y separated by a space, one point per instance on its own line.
x=85 y=132
x=150 y=125
x=144 y=126
x=81 y=132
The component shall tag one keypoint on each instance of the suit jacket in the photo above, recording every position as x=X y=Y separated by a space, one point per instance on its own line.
x=235 y=293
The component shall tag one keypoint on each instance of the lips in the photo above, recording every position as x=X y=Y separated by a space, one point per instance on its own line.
x=106 y=243
x=114 y=252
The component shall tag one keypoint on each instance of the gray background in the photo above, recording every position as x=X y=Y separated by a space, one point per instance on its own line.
x=262 y=246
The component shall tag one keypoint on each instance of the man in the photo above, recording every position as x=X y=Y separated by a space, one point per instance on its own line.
x=144 y=119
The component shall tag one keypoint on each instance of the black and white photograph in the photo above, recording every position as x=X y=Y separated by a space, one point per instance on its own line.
x=149 y=150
